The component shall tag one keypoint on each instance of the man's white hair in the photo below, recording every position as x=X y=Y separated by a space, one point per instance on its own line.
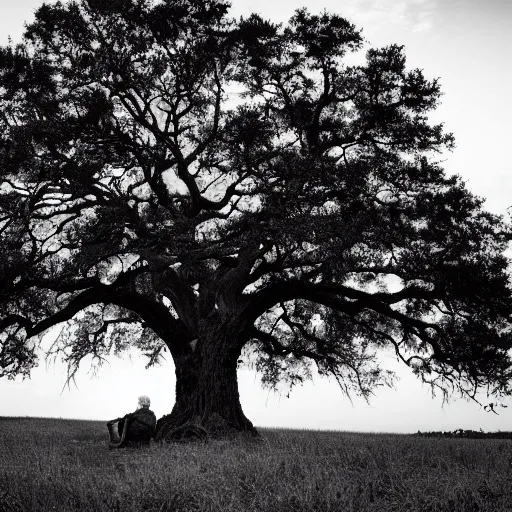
x=144 y=401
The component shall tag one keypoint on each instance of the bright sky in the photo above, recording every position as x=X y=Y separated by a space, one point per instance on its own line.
x=467 y=43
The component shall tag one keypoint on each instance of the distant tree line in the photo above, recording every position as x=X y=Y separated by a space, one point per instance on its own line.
x=467 y=434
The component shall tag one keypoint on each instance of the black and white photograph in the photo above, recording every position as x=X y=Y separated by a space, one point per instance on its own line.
x=255 y=256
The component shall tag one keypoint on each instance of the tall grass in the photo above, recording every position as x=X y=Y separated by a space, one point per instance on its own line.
x=65 y=465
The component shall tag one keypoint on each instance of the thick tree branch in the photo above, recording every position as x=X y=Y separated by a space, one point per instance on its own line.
x=340 y=298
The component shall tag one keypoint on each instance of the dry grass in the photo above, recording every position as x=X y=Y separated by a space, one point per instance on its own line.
x=64 y=465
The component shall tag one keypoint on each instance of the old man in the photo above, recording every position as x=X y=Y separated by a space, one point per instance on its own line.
x=134 y=428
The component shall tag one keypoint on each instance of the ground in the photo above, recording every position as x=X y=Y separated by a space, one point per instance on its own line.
x=65 y=465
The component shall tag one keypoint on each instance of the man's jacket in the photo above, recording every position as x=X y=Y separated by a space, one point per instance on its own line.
x=141 y=424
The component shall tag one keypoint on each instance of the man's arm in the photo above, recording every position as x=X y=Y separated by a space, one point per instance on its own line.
x=125 y=417
x=111 y=422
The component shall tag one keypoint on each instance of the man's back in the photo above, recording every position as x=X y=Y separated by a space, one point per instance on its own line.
x=141 y=425
x=136 y=427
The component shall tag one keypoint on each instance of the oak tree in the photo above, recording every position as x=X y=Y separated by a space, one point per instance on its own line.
x=179 y=181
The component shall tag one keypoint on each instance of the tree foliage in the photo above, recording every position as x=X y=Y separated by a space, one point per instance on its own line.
x=167 y=171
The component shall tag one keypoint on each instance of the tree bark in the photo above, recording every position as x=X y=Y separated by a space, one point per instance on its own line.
x=207 y=400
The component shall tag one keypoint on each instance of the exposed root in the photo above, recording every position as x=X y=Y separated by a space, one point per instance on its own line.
x=200 y=429
x=189 y=432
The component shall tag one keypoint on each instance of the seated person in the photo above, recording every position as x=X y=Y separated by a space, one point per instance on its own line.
x=135 y=427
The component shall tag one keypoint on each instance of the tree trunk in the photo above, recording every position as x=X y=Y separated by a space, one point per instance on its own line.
x=207 y=400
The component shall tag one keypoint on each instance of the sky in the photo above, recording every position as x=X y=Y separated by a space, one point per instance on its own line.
x=467 y=44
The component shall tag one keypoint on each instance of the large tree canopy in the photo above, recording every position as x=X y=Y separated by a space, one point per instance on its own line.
x=173 y=179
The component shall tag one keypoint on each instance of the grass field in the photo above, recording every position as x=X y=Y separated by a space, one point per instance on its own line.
x=65 y=465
